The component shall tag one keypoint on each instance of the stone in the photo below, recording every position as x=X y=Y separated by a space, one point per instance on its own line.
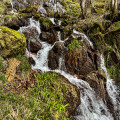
x=80 y=59
x=49 y=37
x=55 y=54
x=33 y=45
x=12 y=42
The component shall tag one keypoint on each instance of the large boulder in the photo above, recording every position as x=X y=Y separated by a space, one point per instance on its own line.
x=31 y=34
x=12 y=42
x=112 y=37
x=80 y=59
x=97 y=80
x=71 y=94
x=55 y=54
x=49 y=37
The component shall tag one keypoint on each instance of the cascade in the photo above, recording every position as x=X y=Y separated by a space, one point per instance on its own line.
x=91 y=107
x=84 y=37
x=52 y=20
x=112 y=89
x=11 y=3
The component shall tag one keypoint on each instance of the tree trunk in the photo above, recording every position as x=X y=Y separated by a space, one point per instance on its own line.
x=83 y=5
x=114 y=7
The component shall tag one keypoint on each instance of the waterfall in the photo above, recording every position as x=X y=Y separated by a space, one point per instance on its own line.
x=91 y=107
x=84 y=37
x=112 y=89
x=52 y=20
x=11 y=3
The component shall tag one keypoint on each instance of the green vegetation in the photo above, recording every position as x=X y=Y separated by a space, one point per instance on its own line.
x=12 y=42
x=73 y=7
x=75 y=45
x=3 y=67
x=44 y=101
x=47 y=23
x=24 y=65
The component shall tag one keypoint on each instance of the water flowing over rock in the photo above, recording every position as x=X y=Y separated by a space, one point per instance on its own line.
x=91 y=93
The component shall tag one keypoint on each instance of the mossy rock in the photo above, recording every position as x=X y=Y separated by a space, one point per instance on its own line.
x=97 y=40
x=12 y=42
x=46 y=24
x=59 y=90
x=112 y=62
x=112 y=37
x=96 y=27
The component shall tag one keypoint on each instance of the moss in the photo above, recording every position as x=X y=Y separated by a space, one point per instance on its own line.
x=72 y=7
x=25 y=15
x=100 y=10
x=47 y=23
x=112 y=63
x=97 y=40
x=11 y=42
x=96 y=27
x=113 y=35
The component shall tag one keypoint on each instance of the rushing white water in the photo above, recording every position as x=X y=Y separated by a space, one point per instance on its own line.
x=84 y=37
x=11 y=3
x=52 y=20
x=91 y=108
x=56 y=6
x=32 y=23
x=111 y=88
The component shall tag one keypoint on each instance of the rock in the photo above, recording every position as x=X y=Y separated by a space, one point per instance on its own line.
x=97 y=40
x=49 y=37
x=20 y=4
x=71 y=94
x=53 y=60
x=97 y=80
x=12 y=42
x=46 y=25
x=58 y=47
x=14 y=22
x=80 y=59
x=55 y=54
x=113 y=35
x=31 y=61
x=33 y=45
x=96 y=27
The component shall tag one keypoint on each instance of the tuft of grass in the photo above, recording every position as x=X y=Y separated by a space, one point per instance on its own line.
x=2 y=66
x=24 y=65
x=75 y=45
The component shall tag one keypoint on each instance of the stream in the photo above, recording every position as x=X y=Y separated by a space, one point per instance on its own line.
x=91 y=107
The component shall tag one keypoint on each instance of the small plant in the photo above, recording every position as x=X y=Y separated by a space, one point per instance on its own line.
x=2 y=66
x=2 y=78
x=47 y=23
x=24 y=65
x=74 y=45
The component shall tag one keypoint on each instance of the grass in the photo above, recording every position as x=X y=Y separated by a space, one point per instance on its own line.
x=75 y=45
x=42 y=102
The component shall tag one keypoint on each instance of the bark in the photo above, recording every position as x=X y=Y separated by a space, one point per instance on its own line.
x=83 y=5
x=114 y=7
